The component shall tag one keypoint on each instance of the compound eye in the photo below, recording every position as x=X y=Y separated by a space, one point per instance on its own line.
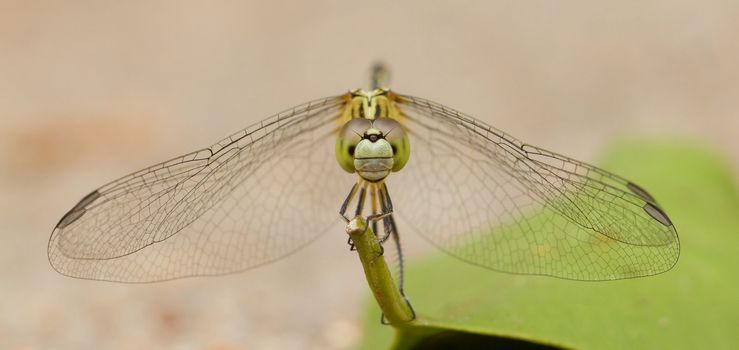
x=395 y=134
x=349 y=136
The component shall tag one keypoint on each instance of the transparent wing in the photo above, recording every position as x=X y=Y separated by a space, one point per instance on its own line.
x=254 y=197
x=488 y=199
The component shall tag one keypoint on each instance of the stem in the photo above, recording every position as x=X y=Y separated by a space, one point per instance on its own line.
x=392 y=303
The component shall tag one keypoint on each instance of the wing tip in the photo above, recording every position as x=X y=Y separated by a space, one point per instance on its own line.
x=657 y=214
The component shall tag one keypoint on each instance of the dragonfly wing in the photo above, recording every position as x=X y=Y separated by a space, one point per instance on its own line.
x=254 y=197
x=487 y=198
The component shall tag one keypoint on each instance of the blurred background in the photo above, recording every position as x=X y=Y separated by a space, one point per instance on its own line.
x=92 y=90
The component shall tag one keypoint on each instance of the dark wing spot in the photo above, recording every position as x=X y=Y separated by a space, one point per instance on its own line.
x=78 y=210
x=88 y=199
x=642 y=193
x=657 y=214
x=70 y=217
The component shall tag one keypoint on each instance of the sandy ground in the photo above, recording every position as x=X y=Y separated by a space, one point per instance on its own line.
x=91 y=90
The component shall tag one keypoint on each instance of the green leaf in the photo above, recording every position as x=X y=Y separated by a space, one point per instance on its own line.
x=695 y=305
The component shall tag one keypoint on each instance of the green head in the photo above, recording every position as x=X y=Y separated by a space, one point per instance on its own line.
x=372 y=148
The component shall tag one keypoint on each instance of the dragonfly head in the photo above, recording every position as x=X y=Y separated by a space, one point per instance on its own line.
x=372 y=148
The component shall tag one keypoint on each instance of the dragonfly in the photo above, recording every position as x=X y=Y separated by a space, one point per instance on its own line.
x=269 y=190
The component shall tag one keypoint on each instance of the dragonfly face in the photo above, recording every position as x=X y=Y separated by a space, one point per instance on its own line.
x=372 y=142
x=373 y=156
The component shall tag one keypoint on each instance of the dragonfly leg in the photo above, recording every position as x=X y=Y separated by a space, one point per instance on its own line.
x=342 y=212
x=375 y=207
x=379 y=212
x=378 y=216
x=360 y=202
x=373 y=219
x=349 y=197
x=386 y=208
x=396 y=240
x=390 y=222
x=386 y=215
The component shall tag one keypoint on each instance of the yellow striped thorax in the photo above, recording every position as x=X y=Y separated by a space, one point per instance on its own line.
x=379 y=103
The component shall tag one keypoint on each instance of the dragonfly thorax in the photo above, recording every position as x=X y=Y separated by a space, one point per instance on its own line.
x=378 y=103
